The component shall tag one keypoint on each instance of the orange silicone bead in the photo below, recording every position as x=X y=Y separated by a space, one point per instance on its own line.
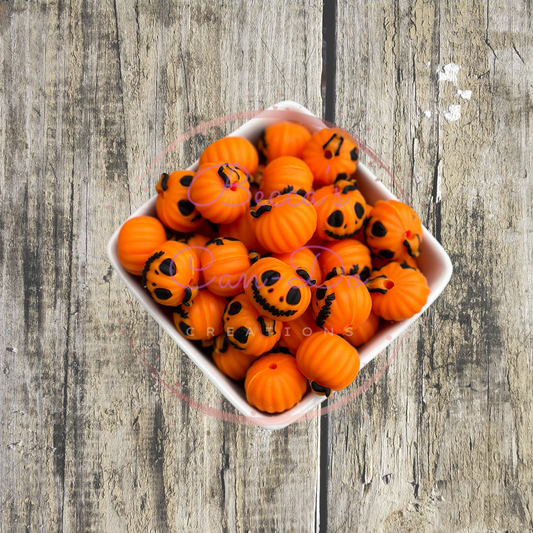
x=286 y=174
x=283 y=139
x=293 y=333
x=303 y=258
x=230 y=361
x=350 y=255
x=220 y=192
x=234 y=150
x=202 y=319
x=137 y=239
x=328 y=361
x=398 y=291
x=274 y=383
x=285 y=223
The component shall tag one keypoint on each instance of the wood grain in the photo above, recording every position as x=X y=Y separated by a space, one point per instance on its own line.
x=92 y=94
x=443 y=441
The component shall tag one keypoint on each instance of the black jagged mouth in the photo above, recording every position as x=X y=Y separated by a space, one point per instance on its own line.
x=342 y=237
x=147 y=266
x=274 y=311
x=325 y=311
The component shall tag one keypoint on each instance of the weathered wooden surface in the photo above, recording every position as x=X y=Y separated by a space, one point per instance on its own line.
x=91 y=95
x=443 y=441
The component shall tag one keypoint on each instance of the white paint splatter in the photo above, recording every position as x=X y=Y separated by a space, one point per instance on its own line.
x=427 y=114
x=465 y=95
x=428 y=64
x=449 y=73
x=453 y=113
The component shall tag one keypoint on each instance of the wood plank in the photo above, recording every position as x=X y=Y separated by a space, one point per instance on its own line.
x=93 y=93
x=443 y=440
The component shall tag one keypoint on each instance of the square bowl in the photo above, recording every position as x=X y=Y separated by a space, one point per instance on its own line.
x=434 y=263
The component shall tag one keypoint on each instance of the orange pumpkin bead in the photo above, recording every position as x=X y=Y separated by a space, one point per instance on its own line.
x=174 y=207
x=234 y=150
x=277 y=290
x=202 y=319
x=293 y=333
x=393 y=229
x=360 y=335
x=303 y=259
x=285 y=223
x=349 y=255
x=340 y=302
x=274 y=383
x=171 y=274
x=286 y=174
x=340 y=210
x=398 y=291
x=330 y=156
x=230 y=361
x=243 y=229
x=328 y=361
x=220 y=192
x=224 y=263
x=195 y=242
x=136 y=242
x=283 y=139
x=247 y=330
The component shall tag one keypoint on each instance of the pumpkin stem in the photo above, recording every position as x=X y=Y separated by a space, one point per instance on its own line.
x=379 y=284
x=319 y=389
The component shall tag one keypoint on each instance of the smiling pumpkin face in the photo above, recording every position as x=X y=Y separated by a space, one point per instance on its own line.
x=278 y=290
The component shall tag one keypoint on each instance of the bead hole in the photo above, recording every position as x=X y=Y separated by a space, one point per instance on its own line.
x=408 y=234
x=272 y=366
x=389 y=284
x=328 y=154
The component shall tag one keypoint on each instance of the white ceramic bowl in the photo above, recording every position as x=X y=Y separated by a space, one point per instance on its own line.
x=434 y=262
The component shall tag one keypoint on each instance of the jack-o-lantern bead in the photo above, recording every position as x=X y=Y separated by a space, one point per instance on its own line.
x=195 y=242
x=285 y=223
x=303 y=259
x=340 y=302
x=278 y=290
x=274 y=383
x=136 y=241
x=283 y=139
x=243 y=229
x=398 y=291
x=340 y=211
x=202 y=319
x=286 y=174
x=330 y=156
x=349 y=255
x=328 y=361
x=221 y=192
x=357 y=336
x=174 y=207
x=230 y=361
x=293 y=333
x=393 y=229
x=234 y=150
x=247 y=330
x=224 y=263
x=171 y=274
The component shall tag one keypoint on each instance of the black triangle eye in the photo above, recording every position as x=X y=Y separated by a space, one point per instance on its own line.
x=294 y=296
x=186 y=180
x=321 y=293
x=359 y=210
x=336 y=219
x=270 y=277
x=186 y=208
x=168 y=267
